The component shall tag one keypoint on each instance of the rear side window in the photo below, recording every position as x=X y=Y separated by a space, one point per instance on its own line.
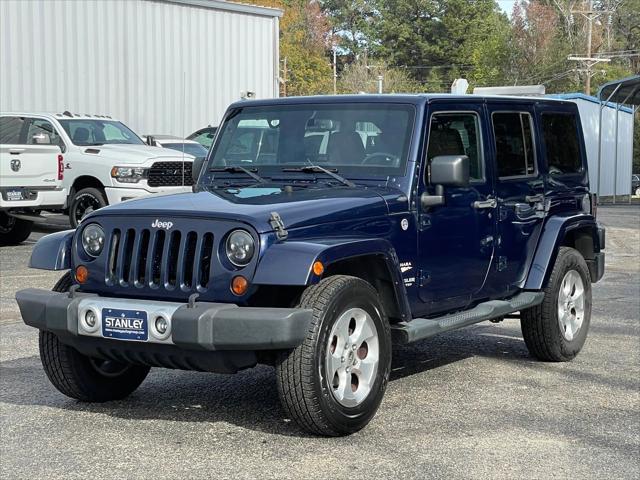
x=41 y=132
x=513 y=134
x=560 y=134
x=457 y=134
x=10 y=129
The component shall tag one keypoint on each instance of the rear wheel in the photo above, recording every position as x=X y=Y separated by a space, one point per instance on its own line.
x=334 y=382
x=85 y=378
x=557 y=329
x=84 y=202
x=13 y=230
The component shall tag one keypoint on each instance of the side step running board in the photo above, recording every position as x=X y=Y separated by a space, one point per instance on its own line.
x=420 y=328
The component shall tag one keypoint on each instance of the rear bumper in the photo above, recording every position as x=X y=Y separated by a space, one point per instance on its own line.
x=38 y=199
x=207 y=336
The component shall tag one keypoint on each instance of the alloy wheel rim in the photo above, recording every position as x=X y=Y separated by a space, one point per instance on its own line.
x=86 y=205
x=571 y=301
x=6 y=222
x=353 y=354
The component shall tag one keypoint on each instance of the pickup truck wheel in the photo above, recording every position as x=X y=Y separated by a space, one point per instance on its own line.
x=333 y=383
x=13 y=230
x=84 y=202
x=81 y=377
x=556 y=329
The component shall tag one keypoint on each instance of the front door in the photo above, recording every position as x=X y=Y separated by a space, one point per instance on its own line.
x=520 y=195
x=456 y=240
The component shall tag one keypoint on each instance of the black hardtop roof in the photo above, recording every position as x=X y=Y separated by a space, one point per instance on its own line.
x=414 y=99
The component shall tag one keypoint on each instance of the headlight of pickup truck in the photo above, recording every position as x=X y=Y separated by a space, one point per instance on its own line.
x=93 y=239
x=128 y=174
x=240 y=247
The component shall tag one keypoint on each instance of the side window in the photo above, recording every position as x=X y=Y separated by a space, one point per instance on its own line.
x=560 y=134
x=205 y=138
x=457 y=134
x=515 y=155
x=10 y=129
x=41 y=132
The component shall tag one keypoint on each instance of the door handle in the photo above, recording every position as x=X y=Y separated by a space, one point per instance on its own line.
x=16 y=151
x=488 y=203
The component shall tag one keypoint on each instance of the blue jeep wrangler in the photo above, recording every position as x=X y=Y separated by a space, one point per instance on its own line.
x=320 y=232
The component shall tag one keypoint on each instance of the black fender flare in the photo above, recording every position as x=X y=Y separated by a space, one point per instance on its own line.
x=553 y=234
x=53 y=251
x=290 y=263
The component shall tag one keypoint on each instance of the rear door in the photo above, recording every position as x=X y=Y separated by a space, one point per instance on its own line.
x=519 y=191
x=30 y=156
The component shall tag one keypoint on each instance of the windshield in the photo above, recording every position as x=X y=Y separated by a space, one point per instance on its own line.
x=358 y=140
x=194 y=149
x=99 y=132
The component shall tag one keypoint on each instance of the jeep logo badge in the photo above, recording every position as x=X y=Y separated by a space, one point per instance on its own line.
x=159 y=224
x=15 y=164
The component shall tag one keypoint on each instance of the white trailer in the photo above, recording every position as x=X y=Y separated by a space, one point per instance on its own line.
x=163 y=66
x=589 y=108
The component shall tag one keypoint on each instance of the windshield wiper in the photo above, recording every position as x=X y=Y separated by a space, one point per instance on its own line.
x=239 y=169
x=318 y=169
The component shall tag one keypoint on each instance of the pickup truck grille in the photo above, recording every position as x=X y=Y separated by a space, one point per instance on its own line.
x=169 y=174
x=160 y=259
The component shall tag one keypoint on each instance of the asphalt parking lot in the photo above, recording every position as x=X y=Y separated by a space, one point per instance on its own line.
x=468 y=404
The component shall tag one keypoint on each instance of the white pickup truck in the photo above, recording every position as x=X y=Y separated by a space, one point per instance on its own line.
x=76 y=164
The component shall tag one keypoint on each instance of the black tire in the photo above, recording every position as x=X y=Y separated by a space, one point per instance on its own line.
x=81 y=377
x=540 y=326
x=303 y=384
x=84 y=202
x=13 y=230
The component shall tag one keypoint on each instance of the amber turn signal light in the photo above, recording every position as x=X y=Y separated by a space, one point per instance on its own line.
x=82 y=274
x=239 y=285
x=318 y=268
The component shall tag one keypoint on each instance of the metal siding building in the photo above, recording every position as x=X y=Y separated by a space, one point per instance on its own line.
x=589 y=108
x=160 y=66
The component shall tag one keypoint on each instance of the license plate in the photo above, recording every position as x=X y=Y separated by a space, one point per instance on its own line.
x=125 y=324
x=15 y=195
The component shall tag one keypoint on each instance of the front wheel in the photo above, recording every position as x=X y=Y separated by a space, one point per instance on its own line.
x=13 y=230
x=85 y=378
x=334 y=382
x=556 y=329
x=84 y=202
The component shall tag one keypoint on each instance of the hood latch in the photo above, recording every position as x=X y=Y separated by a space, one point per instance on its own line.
x=278 y=226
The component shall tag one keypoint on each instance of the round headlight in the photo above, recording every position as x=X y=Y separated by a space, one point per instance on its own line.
x=240 y=247
x=93 y=239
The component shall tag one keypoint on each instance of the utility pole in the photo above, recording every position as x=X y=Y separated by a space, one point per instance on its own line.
x=284 y=78
x=589 y=61
x=335 y=71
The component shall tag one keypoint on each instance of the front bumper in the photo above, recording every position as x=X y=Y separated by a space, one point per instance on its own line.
x=121 y=194
x=215 y=337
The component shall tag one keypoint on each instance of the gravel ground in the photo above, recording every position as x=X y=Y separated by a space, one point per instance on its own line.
x=468 y=404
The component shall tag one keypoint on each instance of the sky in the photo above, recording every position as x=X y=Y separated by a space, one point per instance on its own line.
x=506 y=5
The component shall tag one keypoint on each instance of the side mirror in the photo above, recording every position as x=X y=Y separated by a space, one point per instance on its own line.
x=41 y=139
x=449 y=171
x=198 y=162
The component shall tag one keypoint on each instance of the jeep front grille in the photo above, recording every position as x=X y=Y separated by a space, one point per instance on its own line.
x=170 y=174
x=171 y=260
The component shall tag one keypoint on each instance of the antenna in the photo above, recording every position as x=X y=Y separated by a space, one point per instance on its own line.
x=184 y=118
